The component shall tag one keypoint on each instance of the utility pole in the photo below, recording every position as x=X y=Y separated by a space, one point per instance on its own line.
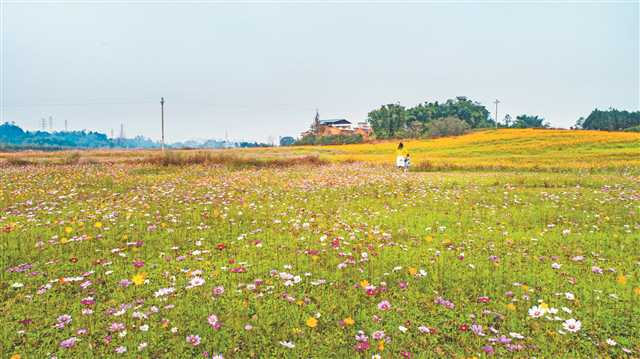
x=66 y=127
x=496 y=102
x=121 y=130
x=50 y=123
x=162 y=119
x=44 y=124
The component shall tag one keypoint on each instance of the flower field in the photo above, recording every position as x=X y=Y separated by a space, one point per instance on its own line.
x=507 y=244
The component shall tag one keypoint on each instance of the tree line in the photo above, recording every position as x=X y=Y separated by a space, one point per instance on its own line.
x=12 y=137
x=610 y=120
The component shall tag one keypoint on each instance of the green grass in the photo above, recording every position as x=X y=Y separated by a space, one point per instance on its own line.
x=288 y=219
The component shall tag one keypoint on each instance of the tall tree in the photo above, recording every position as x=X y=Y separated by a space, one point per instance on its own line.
x=527 y=121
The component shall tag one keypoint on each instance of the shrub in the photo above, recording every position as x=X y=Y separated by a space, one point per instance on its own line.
x=449 y=126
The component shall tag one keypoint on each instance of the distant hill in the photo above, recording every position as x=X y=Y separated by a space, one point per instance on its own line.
x=13 y=138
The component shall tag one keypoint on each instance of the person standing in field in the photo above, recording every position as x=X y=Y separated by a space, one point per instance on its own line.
x=402 y=157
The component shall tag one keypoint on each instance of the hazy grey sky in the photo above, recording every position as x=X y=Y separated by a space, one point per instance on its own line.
x=261 y=69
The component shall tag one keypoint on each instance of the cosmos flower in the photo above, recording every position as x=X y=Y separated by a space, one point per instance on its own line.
x=218 y=291
x=69 y=343
x=572 y=325
x=195 y=282
x=536 y=312
x=311 y=322
x=213 y=321
x=193 y=340
x=139 y=278
x=163 y=292
x=384 y=305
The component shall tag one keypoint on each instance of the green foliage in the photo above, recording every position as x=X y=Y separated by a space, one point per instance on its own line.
x=610 y=120
x=527 y=121
x=330 y=140
x=393 y=120
x=287 y=141
x=388 y=120
x=449 y=126
x=633 y=129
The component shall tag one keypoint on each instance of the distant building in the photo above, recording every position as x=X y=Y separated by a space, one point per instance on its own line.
x=337 y=123
x=340 y=126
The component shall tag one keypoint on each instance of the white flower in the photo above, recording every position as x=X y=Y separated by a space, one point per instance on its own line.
x=144 y=327
x=566 y=310
x=552 y=310
x=195 y=282
x=611 y=342
x=572 y=325
x=163 y=291
x=142 y=346
x=286 y=344
x=403 y=329
x=17 y=285
x=556 y=266
x=516 y=335
x=536 y=312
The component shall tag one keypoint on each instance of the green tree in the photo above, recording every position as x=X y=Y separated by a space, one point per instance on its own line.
x=527 y=121
x=609 y=120
x=388 y=120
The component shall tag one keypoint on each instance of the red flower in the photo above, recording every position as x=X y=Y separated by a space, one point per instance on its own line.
x=464 y=328
x=220 y=246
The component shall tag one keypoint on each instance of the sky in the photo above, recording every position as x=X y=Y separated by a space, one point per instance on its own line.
x=256 y=71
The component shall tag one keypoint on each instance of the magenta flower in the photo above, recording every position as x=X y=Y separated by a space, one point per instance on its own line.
x=87 y=301
x=384 y=305
x=362 y=346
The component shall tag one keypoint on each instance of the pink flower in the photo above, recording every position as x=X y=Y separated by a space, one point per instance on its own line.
x=193 y=340
x=69 y=343
x=116 y=327
x=378 y=335
x=384 y=305
x=214 y=322
x=218 y=291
